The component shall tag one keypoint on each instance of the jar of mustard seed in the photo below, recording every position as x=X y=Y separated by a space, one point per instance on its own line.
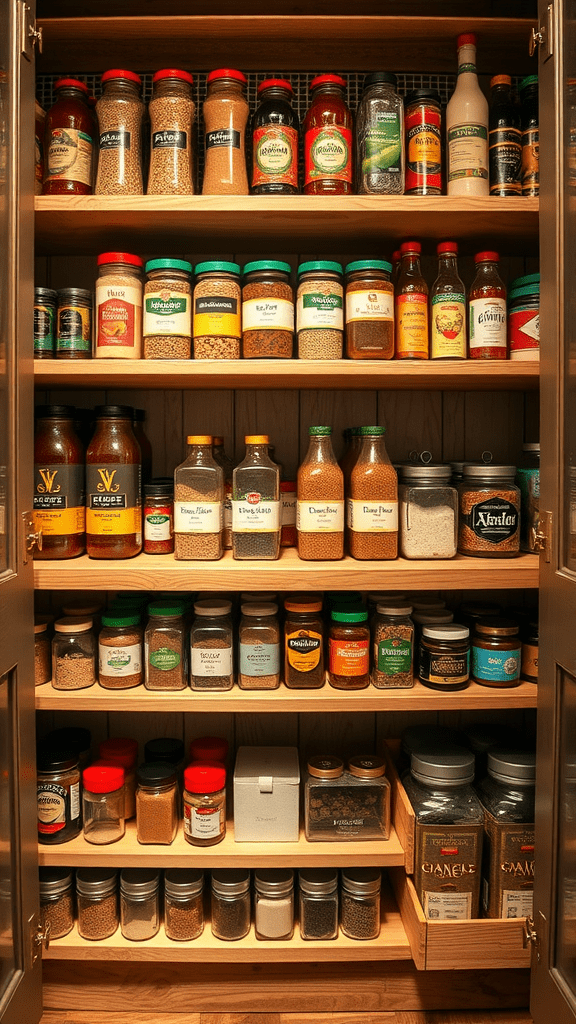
x=217 y=310
x=349 y=650
x=319 y=310
x=444 y=662
x=496 y=653
x=369 y=310
x=168 y=310
x=267 y=311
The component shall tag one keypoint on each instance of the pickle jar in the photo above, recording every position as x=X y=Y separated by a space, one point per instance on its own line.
x=369 y=310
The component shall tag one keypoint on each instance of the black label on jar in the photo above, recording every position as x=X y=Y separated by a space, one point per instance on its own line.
x=58 y=487
x=223 y=137
x=444 y=669
x=495 y=520
x=69 y=324
x=216 y=304
x=115 y=140
x=112 y=487
x=169 y=140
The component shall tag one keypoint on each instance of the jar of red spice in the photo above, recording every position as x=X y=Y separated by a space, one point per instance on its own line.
x=328 y=139
x=349 y=650
x=158 y=519
x=288 y=536
x=488 y=314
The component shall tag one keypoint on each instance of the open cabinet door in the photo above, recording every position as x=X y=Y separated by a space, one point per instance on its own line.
x=20 y=949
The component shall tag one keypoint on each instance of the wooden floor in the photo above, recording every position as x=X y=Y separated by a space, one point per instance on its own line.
x=401 y=1017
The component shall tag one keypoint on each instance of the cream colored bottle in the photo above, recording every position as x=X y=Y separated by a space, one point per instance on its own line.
x=467 y=128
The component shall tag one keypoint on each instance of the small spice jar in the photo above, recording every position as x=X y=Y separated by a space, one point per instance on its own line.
x=45 y=301
x=530 y=642
x=230 y=903
x=73 y=654
x=172 y=111
x=288 y=535
x=319 y=310
x=318 y=903
x=428 y=512
x=496 y=653
x=347 y=805
x=119 y=306
x=123 y=752
x=259 y=647
x=158 y=519
x=225 y=117
x=74 y=324
x=205 y=803
x=58 y=795
x=165 y=648
x=369 y=310
x=97 y=899
x=423 y=127
x=168 y=310
x=274 y=903
x=42 y=653
x=393 y=647
x=198 y=502
x=211 y=648
x=349 y=650
x=139 y=903
x=303 y=643
x=103 y=803
x=489 y=504
x=444 y=657
x=57 y=901
x=156 y=803
x=120 y=112
x=360 y=903
x=267 y=310
x=217 y=310
x=183 y=904
x=120 y=652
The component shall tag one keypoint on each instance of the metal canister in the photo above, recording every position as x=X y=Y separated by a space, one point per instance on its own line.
x=74 y=324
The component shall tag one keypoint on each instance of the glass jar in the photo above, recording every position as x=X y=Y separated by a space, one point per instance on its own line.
x=86 y=610
x=380 y=137
x=496 y=653
x=198 y=502
x=68 y=141
x=318 y=903
x=165 y=648
x=256 y=503
x=528 y=90
x=119 y=306
x=489 y=505
x=73 y=654
x=74 y=324
x=139 y=903
x=349 y=650
x=487 y=335
x=120 y=113
x=274 y=903
x=157 y=798
x=217 y=310
x=303 y=643
x=369 y=310
x=211 y=647
x=230 y=903
x=524 y=318
x=428 y=512
x=393 y=647
x=448 y=307
x=45 y=300
x=103 y=804
x=346 y=806
x=172 y=112
x=360 y=903
x=275 y=129
x=57 y=901
x=225 y=117
x=259 y=647
x=528 y=480
x=113 y=498
x=123 y=751
x=42 y=653
x=319 y=310
x=168 y=310
x=58 y=795
x=205 y=803
x=372 y=503
x=423 y=127
x=328 y=143
x=120 y=652
x=97 y=899
x=411 y=306
x=183 y=904
x=444 y=657
x=267 y=310
x=530 y=643
x=158 y=519
x=320 y=500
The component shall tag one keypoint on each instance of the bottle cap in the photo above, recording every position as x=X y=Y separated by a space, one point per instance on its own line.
x=331 y=265
x=274 y=83
x=251 y=608
x=350 y=616
x=367 y=766
x=163 y=264
x=446 y=247
x=256 y=439
x=362 y=881
x=205 y=777
x=199 y=439
x=119 y=257
x=319 y=431
x=117 y=73
x=71 y=83
x=500 y=80
x=185 y=76
x=325 y=766
x=216 y=607
x=222 y=265
x=410 y=247
x=157 y=773
x=483 y=257
x=226 y=73
x=368 y=265
x=73 y=624
x=449 y=631
x=303 y=604
x=118 y=621
x=103 y=778
x=249 y=268
x=325 y=79
x=466 y=39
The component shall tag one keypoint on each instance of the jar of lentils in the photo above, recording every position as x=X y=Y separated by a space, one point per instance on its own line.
x=57 y=900
x=97 y=898
x=217 y=310
x=120 y=111
x=267 y=310
x=172 y=111
x=369 y=310
x=168 y=310
x=320 y=310
x=489 y=522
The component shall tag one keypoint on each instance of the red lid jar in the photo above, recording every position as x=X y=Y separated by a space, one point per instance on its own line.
x=328 y=139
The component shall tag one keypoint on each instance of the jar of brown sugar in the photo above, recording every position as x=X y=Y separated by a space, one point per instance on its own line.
x=172 y=110
x=225 y=117
x=489 y=505
x=156 y=803
x=119 y=306
x=204 y=803
x=168 y=310
x=120 y=653
x=369 y=310
x=349 y=650
x=267 y=310
x=73 y=654
x=217 y=310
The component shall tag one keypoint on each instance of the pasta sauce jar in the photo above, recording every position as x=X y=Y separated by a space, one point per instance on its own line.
x=68 y=141
x=328 y=139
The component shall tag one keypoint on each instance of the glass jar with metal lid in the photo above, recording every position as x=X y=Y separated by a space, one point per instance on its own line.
x=42 y=653
x=58 y=795
x=346 y=805
x=167 y=326
x=428 y=512
x=393 y=647
x=303 y=643
x=444 y=657
x=74 y=324
x=183 y=904
x=319 y=310
x=274 y=903
x=97 y=899
x=369 y=310
x=360 y=902
x=139 y=903
x=57 y=901
x=489 y=506
x=259 y=647
x=45 y=301
x=217 y=310
x=73 y=654
x=496 y=652
x=119 y=306
x=267 y=310
x=318 y=903
x=230 y=903
x=211 y=646
x=120 y=652
x=349 y=650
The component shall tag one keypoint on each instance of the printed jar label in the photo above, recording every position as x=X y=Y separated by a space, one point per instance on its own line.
x=117 y=315
x=496 y=666
x=320 y=516
x=467 y=152
x=393 y=655
x=288 y=502
x=529 y=666
x=59 y=500
x=74 y=797
x=505 y=151
x=447 y=906
x=211 y=661
x=448 y=323
x=524 y=328
x=223 y=137
x=275 y=156
x=381 y=146
x=158 y=523
x=168 y=139
x=423 y=150
x=328 y=154
x=494 y=519
x=412 y=324
x=447 y=870
x=115 y=140
x=444 y=669
x=303 y=650
x=44 y=317
x=74 y=329
x=164 y=659
x=530 y=161
x=259 y=659
x=69 y=156
x=255 y=515
x=315 y=309
x=52 y=802
x=197 y=516
x=120 y=661
x=217 y=316
x=369 y=305
x=113 y=500
x=203 y=822
x=372 y=516
x=167 y=313
x=267 y=314
x=488 y=323
x=349 y=657
x=507 y=868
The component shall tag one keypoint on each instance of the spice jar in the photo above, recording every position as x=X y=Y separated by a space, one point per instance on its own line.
x=530 y=643
x=411 y=306
x=120 y=654
x=275 y=129
x=172 y=111
x=487 y=333
x=369 y=310
x=168 y=310
x=123 y=751
x=328 y=142
x=423 y=127
x=347 y=805
x=303 y=643
x=198 y=502
x=225 y=116
x=528 y=480
x=230 y=903
x=372 y=505
x=217 y=310
x=524 y=318
x=205 y=803
x=349 y=650
x=56 y=901
x=42 y=653
x=489 y=523
x=74 y=324
x=58 y=796
x=319 y=310
x=165 y=648
x=158 y=519
x=256 y=503
x=113 y=500
x=360 y=903
x=68 y=141
x=380 y=137
x=73 y=654
x=211 y=651
x=393 y=646
x=259 y=647
x=103 y=803
x=183 y=904
x=120 y=112
x=267 y=310
x=139 y=903
x=157 y=803
x=59 y=500
x=428 y=512
x=97 y=899
x=318 y=903
x=444 y=657
x=119 y=306
x=45 y=300
x=320 y=504
x=496 y=653
x=274 y=903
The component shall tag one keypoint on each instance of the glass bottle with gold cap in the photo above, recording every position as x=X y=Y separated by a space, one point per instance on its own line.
x=256 y=502
x=198 y=502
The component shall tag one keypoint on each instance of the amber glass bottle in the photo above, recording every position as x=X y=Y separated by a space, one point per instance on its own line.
x=58 y=484
x=372 y=503
x=320 y=502
x=411 y=305
x=328 y=139
x=68 y=141
x=113 y=472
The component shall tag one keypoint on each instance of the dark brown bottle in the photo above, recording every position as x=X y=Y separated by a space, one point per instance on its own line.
x=59 y=505
x=113 y=486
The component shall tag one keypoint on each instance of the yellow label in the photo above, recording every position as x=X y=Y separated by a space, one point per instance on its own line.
x=412 y=325
x=118 y=521
x=303 y=649
x=61 y=523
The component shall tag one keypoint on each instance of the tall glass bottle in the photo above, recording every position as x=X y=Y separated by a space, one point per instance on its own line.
x=275 y=136
x=59 y=501
x=505 y=141
x=372 y=504
x=528 y=90
x=467 y=127
x=198 y=502
x=256 y=502
x=448 y=307
x=411 y=305
x=487 y=310
x=320 y=502
x=68 y=141
x=113 y=484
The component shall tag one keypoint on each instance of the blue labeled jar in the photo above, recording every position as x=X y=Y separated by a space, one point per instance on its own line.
x=496 y=653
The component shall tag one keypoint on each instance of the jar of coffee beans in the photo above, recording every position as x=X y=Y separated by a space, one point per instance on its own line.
x=57 y=900
x=217 y=310
x=139 y=903
x=267 y=311
x=167 y=327
x=183 y=904
x=318 y=903
x=360 y=903
x=231 y=903
x=97 y=899
x=73 y=654
x=319 y=310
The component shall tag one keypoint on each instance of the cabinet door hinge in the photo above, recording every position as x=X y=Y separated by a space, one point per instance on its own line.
x=30 y=537
x=543 y=535
x=543 y=35
x=28 y=33
x=38 y=937
x=531 y=937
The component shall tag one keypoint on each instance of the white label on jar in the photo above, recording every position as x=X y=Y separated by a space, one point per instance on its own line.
x=197 y=516
x=516 y=904
x=167 y=312
x=203 y=823
x=289 y=508
x=372 y=516
x=119 y=661
x=314 y=309
x=259 y=659
x=157 y=526
x=74 y=801
x=448 y=906
x=260 y=314
x=255 y=515
x=211 y=661
x=488 y=323
x=369 y=305
x=320 y=516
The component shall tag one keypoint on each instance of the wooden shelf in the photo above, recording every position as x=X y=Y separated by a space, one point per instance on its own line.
x=327 y=699
x=360 y=225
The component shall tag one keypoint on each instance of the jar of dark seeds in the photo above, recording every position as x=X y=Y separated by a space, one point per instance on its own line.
x=393 y=647
x=97 y=898
x=167 y=326
x=231 y=903
x=211 y=651
x=42 y=653
x=360 y=903
x=57 y=901
x=165 y=648
x=183 y=904
x=73 y=654
x=318 y=903
x=256 y=502
x=139 y=903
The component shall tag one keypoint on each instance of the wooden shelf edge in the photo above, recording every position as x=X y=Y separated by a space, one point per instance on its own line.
x=206 y=205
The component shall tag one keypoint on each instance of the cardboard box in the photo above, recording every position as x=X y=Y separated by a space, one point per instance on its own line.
x=266 y=795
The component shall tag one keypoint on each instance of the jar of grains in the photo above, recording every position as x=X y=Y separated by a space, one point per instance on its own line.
x=428 y=512
x=157 y=797
x=320 y=504
x=123 y=751
x=256 y=502
x=319 y=310
x=58 y=795
x=267 y=310
x=211 y=649
x=168 y=310
x=259 y=647
x=225 y=117
x=349 y=650
x=444 y=656
x=274 y=903
x=489 y=504
x=303 y=643
x=318 y=910
x=198 y=502
x=97 y=899
x=372 y=505
x=120 y=653
x=217 y=310
x=360 y=903
x=57 y=901
x=165 y=647
x=119 y=306
x=171 y=110
x=45 y=300
x=230 y=903
x=496 y=656
x=139 y=903
x=74 y=324
x=393 y=647
x=288 y=536
x=73 y=654
x=120 y=112
x=369 y=310
x=204 y=803
x=103 y=803
x=158 y=518
x=42 y=653
x=183 y=903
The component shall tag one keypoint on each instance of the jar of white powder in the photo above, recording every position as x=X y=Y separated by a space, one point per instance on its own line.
x=428 y=512
x=274 y=903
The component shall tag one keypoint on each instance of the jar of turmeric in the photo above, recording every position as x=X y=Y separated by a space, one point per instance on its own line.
x=349 y=650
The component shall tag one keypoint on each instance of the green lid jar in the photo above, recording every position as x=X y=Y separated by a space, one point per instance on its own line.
x=120 y=650
x=349 y=649
x=369 y=310
x=267 y=310
x=217 y=310
x=168 y=309
x=320 y=310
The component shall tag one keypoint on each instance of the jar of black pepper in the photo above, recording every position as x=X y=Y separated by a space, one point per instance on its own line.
x=444 y=661
x=231 y=903
x=45 y=301
x=139 y=903
x=97 y=899
x=349 y=650
x=360 y=903
x=369 y=310
x=183 y=904
x=57 y=901
x=496 y=653
x=74 y=324
x=267 y=311
x=318 y=903
x=58 y=794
